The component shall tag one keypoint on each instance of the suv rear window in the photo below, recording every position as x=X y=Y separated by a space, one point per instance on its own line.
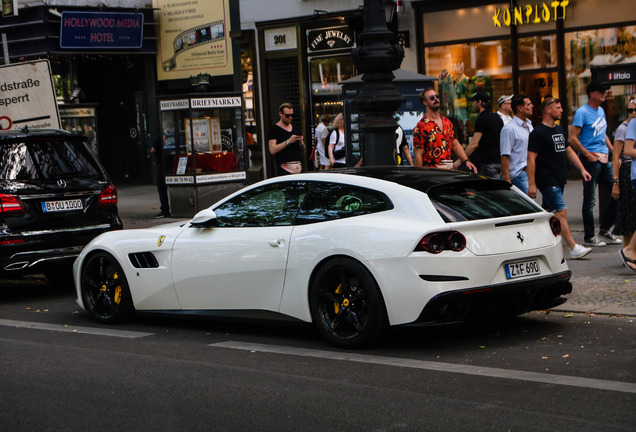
x=42 y=159
x=478 y=200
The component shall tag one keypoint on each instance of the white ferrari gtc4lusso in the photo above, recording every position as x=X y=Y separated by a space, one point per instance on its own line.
x=353 y=251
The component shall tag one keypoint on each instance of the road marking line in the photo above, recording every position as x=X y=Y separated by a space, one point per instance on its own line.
x=66 y=328
x=590 y=383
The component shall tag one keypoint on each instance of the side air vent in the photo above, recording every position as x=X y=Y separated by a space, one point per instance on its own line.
x=143 y=260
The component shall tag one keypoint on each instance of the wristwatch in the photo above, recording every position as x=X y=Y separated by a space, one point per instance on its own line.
x=616 y=180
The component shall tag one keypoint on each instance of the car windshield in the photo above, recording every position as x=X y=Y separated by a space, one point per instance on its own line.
x=43 y=159
x=478 y=200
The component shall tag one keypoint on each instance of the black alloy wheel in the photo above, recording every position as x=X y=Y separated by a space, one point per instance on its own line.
x=346 y=304
x=105 y=290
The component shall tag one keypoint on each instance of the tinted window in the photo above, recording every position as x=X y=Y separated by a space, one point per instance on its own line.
x=46 y=159
x=270 y=205
x=328 y=201
x=478 y=200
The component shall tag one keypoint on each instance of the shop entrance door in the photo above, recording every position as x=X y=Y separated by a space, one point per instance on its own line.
x=136 y=138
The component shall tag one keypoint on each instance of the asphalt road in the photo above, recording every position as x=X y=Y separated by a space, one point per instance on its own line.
x=61 y=371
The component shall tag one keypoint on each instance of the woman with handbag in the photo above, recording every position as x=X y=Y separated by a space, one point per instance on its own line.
x=336 y=149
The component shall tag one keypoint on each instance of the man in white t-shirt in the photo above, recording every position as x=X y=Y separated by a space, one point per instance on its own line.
x=505 y=108
x=321 y=134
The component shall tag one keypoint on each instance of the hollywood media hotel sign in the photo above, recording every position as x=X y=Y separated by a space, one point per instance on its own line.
x=101 y=30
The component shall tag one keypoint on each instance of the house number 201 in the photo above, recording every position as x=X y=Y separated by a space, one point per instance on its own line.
x=279 y=39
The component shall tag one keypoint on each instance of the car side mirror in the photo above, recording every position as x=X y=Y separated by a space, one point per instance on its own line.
x=205 y=218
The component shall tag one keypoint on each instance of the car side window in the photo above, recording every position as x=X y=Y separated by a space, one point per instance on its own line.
x=271 y=205
x=329 y=201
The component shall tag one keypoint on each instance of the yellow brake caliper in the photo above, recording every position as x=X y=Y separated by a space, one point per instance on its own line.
x=117 y=290
x=336 y=305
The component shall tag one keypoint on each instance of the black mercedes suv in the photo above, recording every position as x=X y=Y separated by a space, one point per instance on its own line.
x=54 y=198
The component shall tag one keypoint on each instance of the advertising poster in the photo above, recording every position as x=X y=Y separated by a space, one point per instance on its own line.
x=201 y=131
x=194 y=38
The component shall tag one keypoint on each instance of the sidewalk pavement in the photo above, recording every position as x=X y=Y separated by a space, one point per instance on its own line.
x=601 y=283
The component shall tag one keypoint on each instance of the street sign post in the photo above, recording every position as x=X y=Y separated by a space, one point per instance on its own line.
x=27 y=96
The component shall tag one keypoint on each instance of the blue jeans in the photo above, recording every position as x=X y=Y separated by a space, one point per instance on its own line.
x=601 y=175
x=521 y=181
x=553 y=198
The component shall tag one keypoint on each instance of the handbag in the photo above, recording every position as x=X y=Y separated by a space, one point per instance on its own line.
x=338 y=154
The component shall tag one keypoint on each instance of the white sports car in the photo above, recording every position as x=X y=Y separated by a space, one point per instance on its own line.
x=353 y=251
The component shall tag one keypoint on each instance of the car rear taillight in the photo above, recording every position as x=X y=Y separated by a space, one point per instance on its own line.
x=10 y=242
x=437 y=242
x=555 y=226
x=11 y=205
x=108 y=197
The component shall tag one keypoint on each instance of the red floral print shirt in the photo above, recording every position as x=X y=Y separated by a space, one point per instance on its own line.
x=437 y=144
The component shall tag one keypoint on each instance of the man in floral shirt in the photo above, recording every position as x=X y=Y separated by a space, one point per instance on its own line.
x=434 y=137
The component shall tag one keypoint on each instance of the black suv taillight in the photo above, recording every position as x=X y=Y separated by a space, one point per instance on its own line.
x=11 y=205
x=555 y=226
x=437 y=242
x=108 y=197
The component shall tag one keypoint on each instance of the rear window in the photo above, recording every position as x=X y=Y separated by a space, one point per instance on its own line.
x=479 y=200
x=43 y=159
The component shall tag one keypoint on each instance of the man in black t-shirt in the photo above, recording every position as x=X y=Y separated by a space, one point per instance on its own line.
x=548 y=152
x=159 y=176
x=286 y=146
x=485 y=143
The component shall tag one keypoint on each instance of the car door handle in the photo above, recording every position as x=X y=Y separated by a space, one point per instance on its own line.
x=277 y=243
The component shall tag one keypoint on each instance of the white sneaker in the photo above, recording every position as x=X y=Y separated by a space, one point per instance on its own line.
x=609 y=238
x=579 y=251
x=595 y=242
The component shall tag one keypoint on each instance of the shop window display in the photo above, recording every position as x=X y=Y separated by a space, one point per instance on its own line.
x=587 y=49
x=537 y=52
x=327 y=74
x=464 y=69
x=216 y=136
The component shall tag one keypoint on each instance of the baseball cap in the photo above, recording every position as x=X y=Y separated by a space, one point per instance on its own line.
x=596 y=86
x=480 y=96
x=504 y=98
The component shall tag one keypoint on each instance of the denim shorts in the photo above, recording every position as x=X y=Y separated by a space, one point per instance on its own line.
x=553 y=198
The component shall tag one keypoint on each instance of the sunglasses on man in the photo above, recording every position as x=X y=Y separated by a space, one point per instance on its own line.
x=552 y=101
x=433 y=97
x=288 y=115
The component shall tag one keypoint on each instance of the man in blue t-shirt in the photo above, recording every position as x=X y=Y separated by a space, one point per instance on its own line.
x=588 y=137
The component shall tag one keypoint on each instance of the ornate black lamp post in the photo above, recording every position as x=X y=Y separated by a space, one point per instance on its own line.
x=377 y=57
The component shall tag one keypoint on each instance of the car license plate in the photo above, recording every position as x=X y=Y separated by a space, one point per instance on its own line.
x=63 y=205
x=522 y=268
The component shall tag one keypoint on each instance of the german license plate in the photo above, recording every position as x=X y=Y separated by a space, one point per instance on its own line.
x=522 y=268
x=63 y=205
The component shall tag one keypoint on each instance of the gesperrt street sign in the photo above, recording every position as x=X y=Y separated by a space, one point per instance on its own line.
x=27 y=96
